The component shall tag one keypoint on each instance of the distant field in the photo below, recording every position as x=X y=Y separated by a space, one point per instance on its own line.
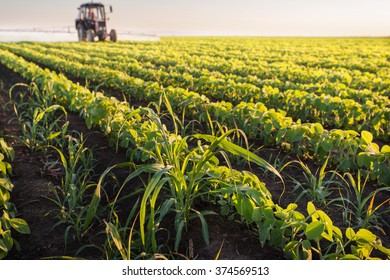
x=281 y=142
x=19 y=36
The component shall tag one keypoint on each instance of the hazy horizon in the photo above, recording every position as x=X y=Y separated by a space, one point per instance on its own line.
x=330 y=18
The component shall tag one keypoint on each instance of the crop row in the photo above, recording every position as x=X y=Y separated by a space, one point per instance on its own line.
x=8 y=220
x=200 y=79
x=331 y=111
x=347 y=148
x=231 y=87
x=300 y=236
x=365 y=55
x=334 y=112
x=267 y=64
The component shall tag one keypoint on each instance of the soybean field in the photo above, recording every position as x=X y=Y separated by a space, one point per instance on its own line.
x=196 y=148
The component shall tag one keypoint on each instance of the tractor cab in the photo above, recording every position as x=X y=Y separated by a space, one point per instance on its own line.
x=91 y=23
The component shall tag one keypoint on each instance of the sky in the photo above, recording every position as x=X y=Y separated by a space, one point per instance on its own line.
x=214 y=17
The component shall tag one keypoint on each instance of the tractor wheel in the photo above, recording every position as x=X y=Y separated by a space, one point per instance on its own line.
x=113 y=36
x=103 y=37
x=90 y=35
x=81 y=33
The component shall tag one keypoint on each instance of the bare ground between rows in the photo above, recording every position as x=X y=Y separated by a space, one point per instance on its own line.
x=31 y=187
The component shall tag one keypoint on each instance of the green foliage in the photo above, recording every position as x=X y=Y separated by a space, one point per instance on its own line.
x=40 y=120
x=269 y=107
x=255 y=119
x=318 y=186
x=78 y=165
x=361 y=205
x=8 y=221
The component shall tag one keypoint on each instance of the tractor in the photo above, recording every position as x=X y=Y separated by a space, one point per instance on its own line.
x=91 y=23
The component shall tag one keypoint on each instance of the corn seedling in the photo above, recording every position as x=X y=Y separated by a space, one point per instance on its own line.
x=40 y=130
x=77 y=164
x=360 y=204
x=121 y=239
x=316 y=185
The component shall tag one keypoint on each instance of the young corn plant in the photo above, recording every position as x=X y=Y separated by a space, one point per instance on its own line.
x=139 y=242
x=316 y=185
x=121 y=239
x=39 y=118
x=361 y=205
x=77 y=165
x=181 y=176
x=188 y=172
x=40 y=129
x=182 y=125
x=32 y=95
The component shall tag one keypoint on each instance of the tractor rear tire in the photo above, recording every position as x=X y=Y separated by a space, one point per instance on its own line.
x=81 y=33
x=113 y=36
x=90 y=35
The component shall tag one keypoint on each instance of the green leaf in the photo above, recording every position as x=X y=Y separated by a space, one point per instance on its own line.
x=4 y=196
x=164 y=209
x=265 y=229
x=20 y=225
x=385 y=149
x=290 y=246
x=205 y=229
x=3 y=254
x=291 y=207
x=367 y=137
x=268 y=212
x=350 y=257
x=6 y=183
x=263 y=236
x=257 y=214
x=350 y=234
x=314 y=230
x=337 y=232
x=3 y=168
x=154 y=184
x=238 y=151
x=93 y=206
x=318 y=128
x=363 y=159
x=364 y=236
x=179 y=232
x=306 y=250
x=247 y=208
x=3 y=247
x=327 y=145
x=225 y=210
x=276 y=237
x=311 y=209
x=384 y=250
x=53 y=135
x=8 y=241
x=113 y=232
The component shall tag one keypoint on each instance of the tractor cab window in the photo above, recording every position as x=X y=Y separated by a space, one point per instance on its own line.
x=82 y=13
x=95 y=13
x=100 y=13
x=91 y=13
